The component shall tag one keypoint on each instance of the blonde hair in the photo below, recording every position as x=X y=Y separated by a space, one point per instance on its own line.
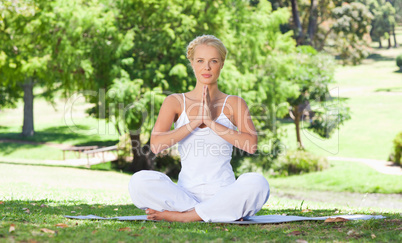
x=209 y=40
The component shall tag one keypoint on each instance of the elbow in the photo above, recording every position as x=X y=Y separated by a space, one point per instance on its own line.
x=156 y=146
x=252 y=150
x=153 y=146
x=254 y=146
x=154 y=150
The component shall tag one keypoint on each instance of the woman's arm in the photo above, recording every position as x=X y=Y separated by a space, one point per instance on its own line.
x=161 y=136
x=246 y=136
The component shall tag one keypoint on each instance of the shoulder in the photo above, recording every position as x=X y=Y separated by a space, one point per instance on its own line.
x=236 y=106
x=235 y=101
x=174 y=101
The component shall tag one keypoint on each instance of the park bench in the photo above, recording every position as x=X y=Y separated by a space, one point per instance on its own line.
x=79 y=149
x=100 y=150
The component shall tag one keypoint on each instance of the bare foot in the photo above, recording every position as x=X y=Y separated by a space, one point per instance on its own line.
x=173 y=216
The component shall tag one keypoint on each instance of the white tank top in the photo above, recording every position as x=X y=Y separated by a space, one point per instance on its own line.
x=205 y=156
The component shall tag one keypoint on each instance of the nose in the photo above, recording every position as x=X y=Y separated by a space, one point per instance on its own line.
x=207 y=66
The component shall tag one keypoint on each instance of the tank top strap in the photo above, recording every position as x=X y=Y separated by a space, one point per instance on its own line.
x=184 y=99
x=224 y=103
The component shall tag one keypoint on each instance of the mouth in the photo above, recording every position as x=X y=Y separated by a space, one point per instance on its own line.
x=206 y=75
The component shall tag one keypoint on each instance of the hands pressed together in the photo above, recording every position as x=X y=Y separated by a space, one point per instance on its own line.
x=204 y=112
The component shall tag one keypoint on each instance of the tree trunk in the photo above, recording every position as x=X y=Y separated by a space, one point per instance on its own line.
x=273 y=118
x=389 y=41
x=297 y=23
x=143 y=158
x=297 y=116
x=379 y=43
x=28 y=126
x=321 y=47
x=312 y=23
x=393 y=33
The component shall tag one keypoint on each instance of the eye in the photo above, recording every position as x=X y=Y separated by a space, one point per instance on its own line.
x=199 y=61
x=215 y=61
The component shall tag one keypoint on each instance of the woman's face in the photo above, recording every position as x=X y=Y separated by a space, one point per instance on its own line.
x=207 y=64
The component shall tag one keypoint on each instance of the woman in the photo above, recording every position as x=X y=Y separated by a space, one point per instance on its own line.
x=207 y=124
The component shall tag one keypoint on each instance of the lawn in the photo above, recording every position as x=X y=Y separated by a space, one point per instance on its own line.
x=343 y=177
x=34 y=198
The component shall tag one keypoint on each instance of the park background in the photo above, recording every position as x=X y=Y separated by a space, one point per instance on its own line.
x=321 y=79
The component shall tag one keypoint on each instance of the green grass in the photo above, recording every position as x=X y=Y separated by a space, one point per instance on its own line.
x=51 y=192
x=29 y=151
x=342 y=177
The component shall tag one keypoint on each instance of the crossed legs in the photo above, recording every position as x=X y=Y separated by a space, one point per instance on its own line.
x=164 y=200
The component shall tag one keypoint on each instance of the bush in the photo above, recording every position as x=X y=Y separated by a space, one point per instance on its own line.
x=398 y=149
x=399 y=61
x=298 y=162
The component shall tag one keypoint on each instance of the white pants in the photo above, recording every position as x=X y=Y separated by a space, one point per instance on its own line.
x=245 y=197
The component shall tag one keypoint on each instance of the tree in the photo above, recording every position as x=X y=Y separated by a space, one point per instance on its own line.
x=316 y=23
x=299 y=35
x=313 y=74
x=397 y=4
x=25 y=54
x=351 y=28
x=383 y=23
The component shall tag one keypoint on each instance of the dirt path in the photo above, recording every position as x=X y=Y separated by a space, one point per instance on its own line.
x=385 y=167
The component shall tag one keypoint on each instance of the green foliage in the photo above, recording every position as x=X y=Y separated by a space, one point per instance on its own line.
x=169 y=164
x=352 y=23
x=25 y=37
x=313 y=72
x=398 y=149
x=86 y=46
x=328 y=117
x=299 y=162
x=399 y=61
x=397 y=4
x=124 y=150
x=384 y=19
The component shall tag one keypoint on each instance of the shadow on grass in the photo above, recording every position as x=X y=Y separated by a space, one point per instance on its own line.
x=389 y=89
x=106 y=166
x=378 y=57
x=52 y=134
x=66 y=207
x=59 y=134
x=8 y=148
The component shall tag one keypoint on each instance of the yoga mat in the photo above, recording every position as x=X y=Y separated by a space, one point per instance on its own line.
x=260 y=219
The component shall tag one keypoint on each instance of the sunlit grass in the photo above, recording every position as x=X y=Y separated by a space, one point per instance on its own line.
x=37 y=197
x=343 y=176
